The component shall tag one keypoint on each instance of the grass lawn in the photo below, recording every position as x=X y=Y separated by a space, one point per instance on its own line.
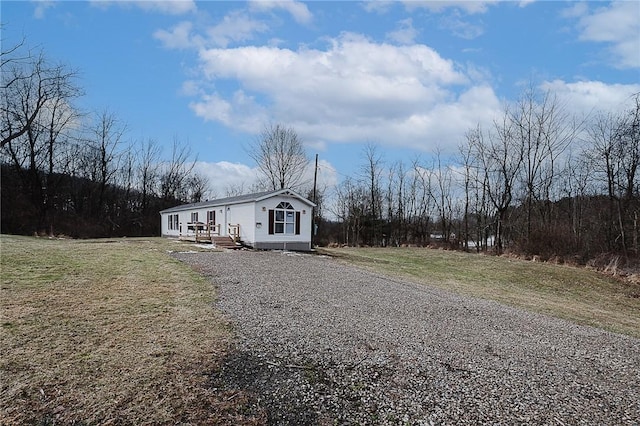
x=115 y=331
x=577 y=294
x=108 y=332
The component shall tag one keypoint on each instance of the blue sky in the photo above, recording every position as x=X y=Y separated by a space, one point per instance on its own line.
x=410 y=77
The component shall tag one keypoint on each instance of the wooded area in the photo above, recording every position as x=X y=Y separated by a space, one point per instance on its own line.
x=538 y=181
x=68 y=172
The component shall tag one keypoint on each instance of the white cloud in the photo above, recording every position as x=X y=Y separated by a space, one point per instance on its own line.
x=442 y=125
x=179 y=37
x=618 y=25
x=525 y=3
x=351 y=62
x=239 y=112
x=378 y=6
x=576 y=10
x=470 y=7
x=298 y=10
x=406 y=34
x=237 y=26
x=41 y=8
x=327 y=177
x=213 y=108
x=224 y=175
x=190 y=88
x=466 y=6
x=461 y=28
x=588 y=97
x=172 y=7
x=453 y=15
x=355 y=90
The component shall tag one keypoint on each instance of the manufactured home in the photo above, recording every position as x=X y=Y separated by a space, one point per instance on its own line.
x=278 y=219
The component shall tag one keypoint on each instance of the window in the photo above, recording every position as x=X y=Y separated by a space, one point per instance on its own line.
x=172 y=221
x=284 y=220
x=194 y=217
x=211 y=217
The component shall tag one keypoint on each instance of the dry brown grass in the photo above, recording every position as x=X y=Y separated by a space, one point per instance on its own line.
x=577 y=294
x=108 y=332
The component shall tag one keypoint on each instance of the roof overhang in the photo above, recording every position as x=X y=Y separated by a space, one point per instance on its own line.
x=287 y=193
x=241 y=199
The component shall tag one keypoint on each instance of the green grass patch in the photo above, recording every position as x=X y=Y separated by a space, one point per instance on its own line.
x=107 y=331
x=577 y=294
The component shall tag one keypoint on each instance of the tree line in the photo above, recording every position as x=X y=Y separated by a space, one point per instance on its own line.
x=66 y=171
x=538 y=181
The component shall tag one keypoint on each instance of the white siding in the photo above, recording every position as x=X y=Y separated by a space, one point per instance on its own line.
x=166 y=232
x=243 y=214
x=253 y=218
x=184 y=218
x=220 y=218
x=262 y=233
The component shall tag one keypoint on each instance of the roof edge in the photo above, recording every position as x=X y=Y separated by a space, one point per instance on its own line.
x=289 y=192
x=246 y=198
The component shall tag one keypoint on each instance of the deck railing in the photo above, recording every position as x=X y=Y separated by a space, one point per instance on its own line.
x=202 y=231
x=234 y=232
x=205 y=231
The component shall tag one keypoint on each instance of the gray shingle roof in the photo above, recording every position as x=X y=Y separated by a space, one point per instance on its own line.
x=233 y=200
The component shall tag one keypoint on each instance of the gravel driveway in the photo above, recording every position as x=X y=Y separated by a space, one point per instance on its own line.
x=322 y=342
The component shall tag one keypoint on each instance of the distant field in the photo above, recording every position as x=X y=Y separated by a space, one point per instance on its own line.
x=576 y=294
x=107 y=331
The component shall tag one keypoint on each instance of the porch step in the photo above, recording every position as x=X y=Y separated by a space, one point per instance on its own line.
x=224 y=242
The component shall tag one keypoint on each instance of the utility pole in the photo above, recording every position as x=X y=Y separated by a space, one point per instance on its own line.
x=315 y=201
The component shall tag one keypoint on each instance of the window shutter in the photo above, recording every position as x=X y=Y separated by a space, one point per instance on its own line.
x=271 y=219
x=297 y=223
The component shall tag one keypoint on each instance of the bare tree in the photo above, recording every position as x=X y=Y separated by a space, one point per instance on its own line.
x=500 y=155
x=421 y=203
x=59 y=124
x=371 y=173
x=468 y=166
x=197 y=187
x=35 y=112
x=175 y=175
x=402 y=198
x=578 y=181
x=476 y=184
x=395 y=204
x=148 y=173
x=103 y=153
x=615 y=158
x=45 y=83
x=442 y=195
x=280 y=156
x=544 y=130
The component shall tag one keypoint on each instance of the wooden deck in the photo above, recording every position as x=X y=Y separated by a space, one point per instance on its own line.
x=210 y=234
x=225 y=242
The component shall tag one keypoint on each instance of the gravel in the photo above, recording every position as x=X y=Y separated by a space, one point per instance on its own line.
x=322 y=342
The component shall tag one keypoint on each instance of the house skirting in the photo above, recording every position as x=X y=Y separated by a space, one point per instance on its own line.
x=288 y=245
